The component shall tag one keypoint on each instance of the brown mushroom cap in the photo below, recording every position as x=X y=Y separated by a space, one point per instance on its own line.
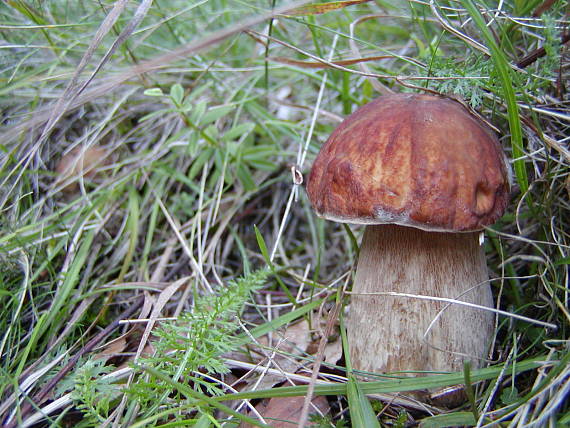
x=414 y=160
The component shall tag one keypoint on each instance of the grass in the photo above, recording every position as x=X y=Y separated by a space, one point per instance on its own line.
x=189 y=220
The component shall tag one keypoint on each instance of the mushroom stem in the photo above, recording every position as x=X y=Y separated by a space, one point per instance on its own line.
x=388 y=333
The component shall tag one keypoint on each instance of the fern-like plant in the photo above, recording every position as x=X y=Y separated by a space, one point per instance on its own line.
x=92 y=392
x=194 y=344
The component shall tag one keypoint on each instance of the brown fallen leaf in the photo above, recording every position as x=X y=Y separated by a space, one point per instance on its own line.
x=297 y=337
x=333 y=351
x=290 y=344
x=285 y=412
x=319 y=8
x=80 y=162
x=316 y=64
x=112 y=348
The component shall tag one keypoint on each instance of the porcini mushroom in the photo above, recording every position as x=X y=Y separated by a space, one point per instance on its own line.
x=426 y=176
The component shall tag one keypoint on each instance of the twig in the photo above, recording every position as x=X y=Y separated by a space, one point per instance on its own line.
x=546 y=4
x=539 y=53
x=333 y=316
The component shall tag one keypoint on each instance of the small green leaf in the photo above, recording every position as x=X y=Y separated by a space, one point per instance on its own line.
x=262 y=165
x=509 y=395
x=187 y=105
x=261 y=152
x=245 y=177
x=198 y=164
x=212 y=133
x=198 y=112
x=153 y=92
x=176 y=175
x=177 y=93
x=238 y=131
x=262 y=246
x=232 y=149
x=215 y=113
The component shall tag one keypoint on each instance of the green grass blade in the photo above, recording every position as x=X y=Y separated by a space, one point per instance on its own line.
x=447 y=420
x=507 y=77
x=391 y=385
x=361 y=412
x=190 y=393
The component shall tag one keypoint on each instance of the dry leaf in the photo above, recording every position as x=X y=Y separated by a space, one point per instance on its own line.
x=319 y=8
x=333 y=351
x=297 y=337
x=293 y=341
x=317 y=64
x=80 y=162
x=112 y=348
x=285 y=412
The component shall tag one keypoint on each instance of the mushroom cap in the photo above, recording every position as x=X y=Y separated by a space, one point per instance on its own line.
x=415 y=160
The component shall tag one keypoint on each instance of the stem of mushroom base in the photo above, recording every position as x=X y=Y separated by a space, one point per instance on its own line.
x=388 y=333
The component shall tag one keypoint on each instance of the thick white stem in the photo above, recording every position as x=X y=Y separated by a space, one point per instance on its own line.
x=388 y=333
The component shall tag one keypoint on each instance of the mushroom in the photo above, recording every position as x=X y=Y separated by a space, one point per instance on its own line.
x=426 y=176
